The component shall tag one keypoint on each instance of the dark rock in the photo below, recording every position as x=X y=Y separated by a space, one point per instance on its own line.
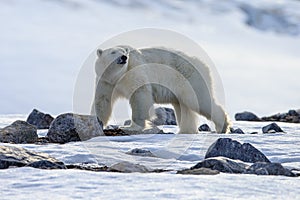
x=233 y=149
x=199 y=171
x=127 y=167
x=72 y=127
x=227 y=165
x=292 y=116
x=164 y=116
x=20 y=157
x=19 y=132
x=204 y=127
x=88 y=167
x=140 y=152
x=246 y=116
x=114 y=132
x=127 y=122
x=39 y=119
x=272 y=128
x=269 y=169
x=293 y=113
x=236 y=131
x=222 y=164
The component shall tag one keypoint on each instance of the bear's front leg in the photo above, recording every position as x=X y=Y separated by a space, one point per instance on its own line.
x=103 y=102
x=141 y=102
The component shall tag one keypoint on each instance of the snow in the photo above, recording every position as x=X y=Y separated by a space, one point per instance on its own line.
x=172 y=152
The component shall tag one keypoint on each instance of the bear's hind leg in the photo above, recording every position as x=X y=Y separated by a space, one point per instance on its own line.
x=187 y=121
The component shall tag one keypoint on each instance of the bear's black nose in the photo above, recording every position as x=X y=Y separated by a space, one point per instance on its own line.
x=123 y=58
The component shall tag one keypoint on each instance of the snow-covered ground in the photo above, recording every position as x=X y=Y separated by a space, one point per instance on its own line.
x=172 y=151
x=44 y=43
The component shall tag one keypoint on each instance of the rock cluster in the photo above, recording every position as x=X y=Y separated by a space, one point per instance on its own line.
x=292 y=116
x=229 y=156
x=19 y=157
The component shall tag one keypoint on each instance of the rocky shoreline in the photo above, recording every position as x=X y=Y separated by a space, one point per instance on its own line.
x=223 y=156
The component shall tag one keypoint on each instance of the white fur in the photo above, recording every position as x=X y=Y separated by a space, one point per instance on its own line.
x=156 y=75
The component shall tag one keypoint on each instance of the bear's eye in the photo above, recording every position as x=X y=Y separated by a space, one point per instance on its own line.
x=113 y=52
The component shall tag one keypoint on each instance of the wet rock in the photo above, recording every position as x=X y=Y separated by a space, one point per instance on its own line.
x=246 y=116
x=19 y=132
x=39 y=119
x=72 y=127
x=204 y=127
x=269 y=169
x=199 y=171
x=233 y=149
x=165 y=116
x=272 y=128
x=19 y=157
x=127 y=167
x=222 y=164
x=140 y=152
x=236 y=131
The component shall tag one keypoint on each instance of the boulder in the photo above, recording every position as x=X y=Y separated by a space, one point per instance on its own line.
x=72 y=127
x=272 y=128
x=222 y=164
x=233 y=149
x=236 y=131
x=227 y=165
x=39 y=119
x=11 y=156
x=127 y=167
x=19 y=132
x=164 y=116
x=269 y=169
x=127 y=122
x=246 y=116
x=204 y=127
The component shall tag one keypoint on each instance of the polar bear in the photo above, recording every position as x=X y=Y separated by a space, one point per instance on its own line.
x=156 y=75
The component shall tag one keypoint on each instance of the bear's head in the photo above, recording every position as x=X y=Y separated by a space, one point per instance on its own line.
x=112 y=63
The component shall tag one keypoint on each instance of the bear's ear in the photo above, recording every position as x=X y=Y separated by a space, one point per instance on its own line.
x=127 y=49
x=99 y=52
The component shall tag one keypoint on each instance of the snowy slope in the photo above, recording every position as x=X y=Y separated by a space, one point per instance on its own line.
x=44 y=43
